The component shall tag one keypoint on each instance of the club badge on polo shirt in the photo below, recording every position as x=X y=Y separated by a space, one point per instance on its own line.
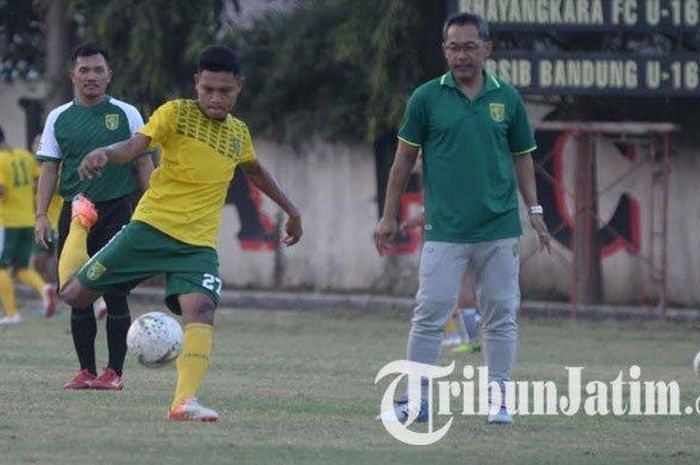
x=497 y=111
x=95 y=270
x=112 y=121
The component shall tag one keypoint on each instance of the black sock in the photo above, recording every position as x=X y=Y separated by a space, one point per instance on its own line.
x=84 y=329
x=118 y=322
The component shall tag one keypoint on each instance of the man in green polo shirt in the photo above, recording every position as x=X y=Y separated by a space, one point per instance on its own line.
x=476 y=142
x=92 y=119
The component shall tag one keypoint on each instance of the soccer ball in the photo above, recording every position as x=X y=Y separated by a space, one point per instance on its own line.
x=155 y=339
x=696 y=364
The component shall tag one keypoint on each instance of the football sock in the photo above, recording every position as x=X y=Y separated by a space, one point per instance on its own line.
x=118 y=322
x=74 y=254
x=32 y=279
x=193 y=362
x=469 y=319
x=7 y=293
x=84 y=330
x=450 y=326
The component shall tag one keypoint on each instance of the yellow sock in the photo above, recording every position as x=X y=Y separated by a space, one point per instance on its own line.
x=74 y=254
x=32 y=279
x=450 y=326
x=7 y=293
x=193 y=362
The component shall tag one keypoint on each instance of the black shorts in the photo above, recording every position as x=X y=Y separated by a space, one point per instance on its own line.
x=112 y=216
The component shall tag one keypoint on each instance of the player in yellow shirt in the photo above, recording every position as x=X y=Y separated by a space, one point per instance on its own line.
x=18 y=174
x=175 y=227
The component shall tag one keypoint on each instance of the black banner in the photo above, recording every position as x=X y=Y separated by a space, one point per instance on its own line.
x=603 y=15
x=673 y=74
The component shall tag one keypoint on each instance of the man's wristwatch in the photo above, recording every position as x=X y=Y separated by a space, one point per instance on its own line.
x=536 y=210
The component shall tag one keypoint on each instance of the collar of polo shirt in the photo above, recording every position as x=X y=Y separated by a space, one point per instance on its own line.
x=491 y=83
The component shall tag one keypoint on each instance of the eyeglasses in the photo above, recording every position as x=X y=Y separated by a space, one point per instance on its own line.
x=469 y=48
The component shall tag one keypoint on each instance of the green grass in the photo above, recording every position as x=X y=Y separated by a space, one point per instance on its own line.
x=298 y=388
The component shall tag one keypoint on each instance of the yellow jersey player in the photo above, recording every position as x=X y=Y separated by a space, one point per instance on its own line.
x=175 y=227
x=18 y=175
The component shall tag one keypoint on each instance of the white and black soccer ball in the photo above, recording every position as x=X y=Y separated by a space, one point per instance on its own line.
x=696 y=364
x=155 y=339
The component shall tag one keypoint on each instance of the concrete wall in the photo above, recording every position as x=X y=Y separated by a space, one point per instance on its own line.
x=12 y=118
x=335 y=187
x=627 y=276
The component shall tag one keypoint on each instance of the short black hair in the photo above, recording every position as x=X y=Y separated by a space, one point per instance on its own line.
x=218 y=58
x=2 y=136
x=87 y=50
x=461 y=19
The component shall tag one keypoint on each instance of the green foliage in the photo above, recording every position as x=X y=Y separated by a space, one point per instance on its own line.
x=153 y=44
x=342 y=70
x=296 y=85
x=339 y=69
x=20 y=40
x=396 y=43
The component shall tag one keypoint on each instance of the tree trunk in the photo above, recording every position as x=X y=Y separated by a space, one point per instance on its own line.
x=58 y=32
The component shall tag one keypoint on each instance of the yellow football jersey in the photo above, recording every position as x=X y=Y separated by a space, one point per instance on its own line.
x=54 y=211
x=18 y=173
x=197 y=158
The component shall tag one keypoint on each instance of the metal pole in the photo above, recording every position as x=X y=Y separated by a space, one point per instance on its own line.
x=587 y=260
x=575 y=231
x=652 y=208
x=664 y=225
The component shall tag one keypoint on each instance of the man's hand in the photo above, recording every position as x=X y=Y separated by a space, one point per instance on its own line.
x=93 y=163
x=384 y=234
x=293 y=230
x=42 y=230
x=537 y=223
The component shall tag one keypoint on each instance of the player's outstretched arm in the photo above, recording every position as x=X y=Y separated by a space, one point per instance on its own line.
x=266 y=183
x=117 y=154
x=387 y=227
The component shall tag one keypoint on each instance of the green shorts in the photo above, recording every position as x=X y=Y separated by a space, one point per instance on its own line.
x=140 y=251
x=16 y=246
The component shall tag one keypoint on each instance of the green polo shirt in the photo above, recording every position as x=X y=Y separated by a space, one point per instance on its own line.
x=73 y=130
x=470 y=183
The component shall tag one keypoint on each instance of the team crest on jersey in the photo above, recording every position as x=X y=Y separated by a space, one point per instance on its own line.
x=112 y=121
x=498 y=112
x=95 y=270
x=236 y=147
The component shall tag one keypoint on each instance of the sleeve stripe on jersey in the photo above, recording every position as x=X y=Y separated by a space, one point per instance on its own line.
x=132 y=115
x=48 y=147
x=409 y=142
x=523 y=152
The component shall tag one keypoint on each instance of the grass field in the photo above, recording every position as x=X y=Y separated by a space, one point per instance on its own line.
x=298 y=388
